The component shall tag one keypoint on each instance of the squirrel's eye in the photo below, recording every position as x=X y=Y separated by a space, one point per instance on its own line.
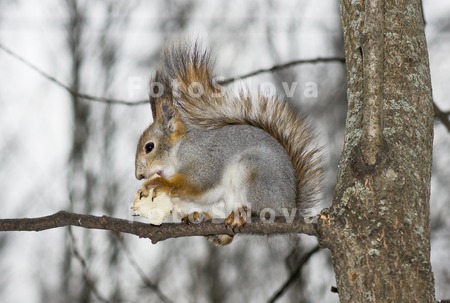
x=149 y=147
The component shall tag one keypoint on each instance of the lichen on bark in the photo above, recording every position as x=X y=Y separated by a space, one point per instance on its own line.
x=378 y=225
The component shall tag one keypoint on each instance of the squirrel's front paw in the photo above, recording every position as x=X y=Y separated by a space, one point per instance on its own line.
x=196 y=217
x=144 y=191
x=236 y=220
x=156 y=186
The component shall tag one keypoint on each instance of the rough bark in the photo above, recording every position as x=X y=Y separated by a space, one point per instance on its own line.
x=378 y=226
x=158 y=233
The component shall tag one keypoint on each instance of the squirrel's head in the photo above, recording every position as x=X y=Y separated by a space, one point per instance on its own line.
x=154 y=154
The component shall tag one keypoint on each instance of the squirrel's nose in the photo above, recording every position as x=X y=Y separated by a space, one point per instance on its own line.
x=141 y=170
x=139 y=173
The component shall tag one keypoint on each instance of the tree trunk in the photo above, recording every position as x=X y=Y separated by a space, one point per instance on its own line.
x=378 y=227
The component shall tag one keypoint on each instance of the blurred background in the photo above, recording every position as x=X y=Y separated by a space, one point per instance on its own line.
x=61 y=152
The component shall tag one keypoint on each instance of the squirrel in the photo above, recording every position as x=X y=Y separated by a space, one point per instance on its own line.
x=223 y=155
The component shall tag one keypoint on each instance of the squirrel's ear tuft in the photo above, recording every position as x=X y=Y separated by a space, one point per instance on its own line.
x=167 y=112
x=166 y=115
x=159 y=88
x=153 y=108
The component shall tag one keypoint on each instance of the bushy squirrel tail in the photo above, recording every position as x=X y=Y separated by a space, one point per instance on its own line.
x=201 y=102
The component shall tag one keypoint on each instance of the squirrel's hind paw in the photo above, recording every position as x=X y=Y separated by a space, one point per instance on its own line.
x=237 y=219
x=196 y=217
x=220 y=240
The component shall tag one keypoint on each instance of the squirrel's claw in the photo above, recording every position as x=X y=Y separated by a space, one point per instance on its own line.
x=196 y=217
x=237 y=219
x=143 y=192
x=157 y=186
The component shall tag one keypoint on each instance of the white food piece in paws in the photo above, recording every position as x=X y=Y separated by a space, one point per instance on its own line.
x=155 y=211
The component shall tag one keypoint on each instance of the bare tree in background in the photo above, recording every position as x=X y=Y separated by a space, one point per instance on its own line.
x=93 y=135
x=387 y=192
x=5 y=152
x=80 y=181
x=327 y=109
x=108 y=189
x=213 y=272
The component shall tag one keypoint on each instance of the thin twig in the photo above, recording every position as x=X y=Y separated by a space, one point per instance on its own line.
x=67 y=88
x=140 y=102
x=146 y=280
x=294 y=275
x=85 y=271
x=309 y=226
x=281 y=66
x=443 y=116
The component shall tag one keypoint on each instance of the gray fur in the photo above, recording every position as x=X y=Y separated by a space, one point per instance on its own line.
x=203 y=141
x=205 y=154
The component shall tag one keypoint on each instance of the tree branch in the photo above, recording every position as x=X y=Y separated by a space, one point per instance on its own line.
x=443 y=116
x=295 y=274
x=66 y=87
x=90 y=282
x=307 y=226
x=281 y=66
x=146 y=280
x=133 y=103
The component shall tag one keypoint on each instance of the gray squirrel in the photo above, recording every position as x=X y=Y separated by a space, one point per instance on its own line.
x=223 y=155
